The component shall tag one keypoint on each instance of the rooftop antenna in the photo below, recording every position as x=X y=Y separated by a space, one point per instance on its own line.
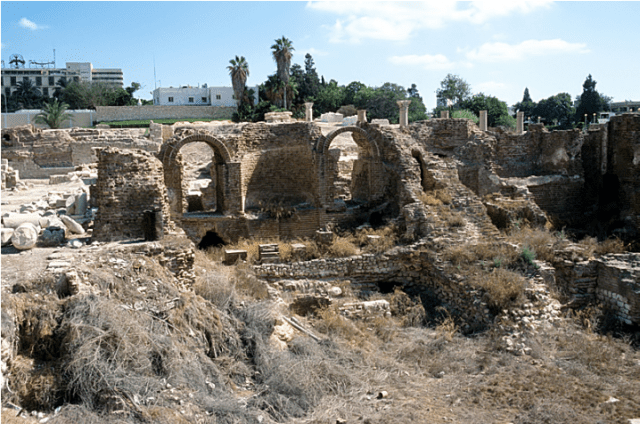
x=16 y=61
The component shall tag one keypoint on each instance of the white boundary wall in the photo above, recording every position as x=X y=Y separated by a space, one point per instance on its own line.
x=81 y=118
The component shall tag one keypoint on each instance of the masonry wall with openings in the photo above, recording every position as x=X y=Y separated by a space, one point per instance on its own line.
x=129 y=183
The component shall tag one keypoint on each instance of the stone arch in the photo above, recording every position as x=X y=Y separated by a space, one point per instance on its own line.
x=367 y=184
x=227 y=175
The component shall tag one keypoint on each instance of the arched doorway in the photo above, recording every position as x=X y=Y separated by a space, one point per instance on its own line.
x=366 y=183
x=220 y=193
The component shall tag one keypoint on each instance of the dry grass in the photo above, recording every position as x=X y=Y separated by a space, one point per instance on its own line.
x=342 y=247
x=592 y=247
x=503 y=288
x=435 y=197
x=541 y=242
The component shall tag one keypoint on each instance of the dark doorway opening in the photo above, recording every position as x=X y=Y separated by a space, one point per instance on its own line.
x=386 y=287
x=211 y=239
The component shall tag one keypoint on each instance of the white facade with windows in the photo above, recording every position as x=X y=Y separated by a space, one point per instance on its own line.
x=46 y=79
x=197 y=96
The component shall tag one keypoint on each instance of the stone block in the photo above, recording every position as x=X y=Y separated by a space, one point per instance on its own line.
x=6 y=236
x=81 y=204
x=324 y=237
x=53 y=236
x=72 y=225
x=231 y=256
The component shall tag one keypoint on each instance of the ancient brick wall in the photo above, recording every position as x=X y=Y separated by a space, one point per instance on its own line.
x=126 y=113
x=129 y=183
x=414 y=270
x=623 y=161
x=39 y=153
x=619 y=285
x=562 y=198
x=285 y=175
x=538 y=152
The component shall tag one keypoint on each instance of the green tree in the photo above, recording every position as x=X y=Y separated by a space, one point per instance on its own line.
x=311 y=84
x=352 y=90
x=526 y=105
x=282 y=54
x=454 y=88
x=495 y=107
x=28 y=95
x=590 y=101
x=556 y=109
x=330 y=98
x=417 y=109
x=239 y=71
x=53 y=114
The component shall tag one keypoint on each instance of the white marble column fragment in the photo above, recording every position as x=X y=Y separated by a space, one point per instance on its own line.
x=308 y=112
x=483 y=120
x=520 y=123
x=362 y=115
x=404 y=112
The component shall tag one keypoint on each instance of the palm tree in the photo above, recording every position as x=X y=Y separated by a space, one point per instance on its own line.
x=282 y=54
x=239 y=71
x=54 y=114
x=27 y=93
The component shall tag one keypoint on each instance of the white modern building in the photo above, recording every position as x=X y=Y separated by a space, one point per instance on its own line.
x=46 y=79
x=197 y=96
x=626 y=106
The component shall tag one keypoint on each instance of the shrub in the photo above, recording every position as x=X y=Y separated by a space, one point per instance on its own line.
x=528 y=255
x=466 y=114
x=502 y=288
x=342 y=247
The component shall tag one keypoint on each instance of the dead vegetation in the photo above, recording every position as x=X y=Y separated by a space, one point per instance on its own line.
x=160 y=354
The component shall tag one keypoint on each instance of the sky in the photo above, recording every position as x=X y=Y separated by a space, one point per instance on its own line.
x=498 y=47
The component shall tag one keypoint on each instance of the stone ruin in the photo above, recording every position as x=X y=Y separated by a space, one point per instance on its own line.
x=588 y=181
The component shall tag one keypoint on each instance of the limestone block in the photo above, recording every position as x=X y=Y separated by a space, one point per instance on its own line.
x=58 y=179
x=14 y=220
x=53 y=236
x=72 y=225
x=25 y=236
x=380 y=121
x=70 y=204
x=231 y=256
x=6 y=236
x=81 y=204
x=51 y=221
x=350 y=120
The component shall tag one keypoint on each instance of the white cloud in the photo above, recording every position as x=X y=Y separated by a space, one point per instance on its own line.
x=427 y=61
x=490 y=87
x=314 y=52
x=398 y=21
x=502 y=52
x=26 y=23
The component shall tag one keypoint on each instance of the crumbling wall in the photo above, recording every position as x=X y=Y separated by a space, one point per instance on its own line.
x=623 y=162
x=129 y=183
x=37 y=153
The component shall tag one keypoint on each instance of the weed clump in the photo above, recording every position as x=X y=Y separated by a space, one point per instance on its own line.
x=502 y=288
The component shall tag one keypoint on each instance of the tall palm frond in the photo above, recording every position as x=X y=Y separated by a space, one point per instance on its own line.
x=53 y=114
x=282 y=54
x=239 y=71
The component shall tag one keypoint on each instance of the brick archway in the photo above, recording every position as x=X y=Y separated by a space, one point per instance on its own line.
x=227 y=173
x=367 y=168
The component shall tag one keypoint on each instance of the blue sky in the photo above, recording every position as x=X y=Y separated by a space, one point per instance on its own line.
x=499 y=48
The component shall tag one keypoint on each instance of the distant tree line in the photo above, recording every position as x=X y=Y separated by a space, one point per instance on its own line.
x=292 y=85
x=558 y=111
x=74 y=94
